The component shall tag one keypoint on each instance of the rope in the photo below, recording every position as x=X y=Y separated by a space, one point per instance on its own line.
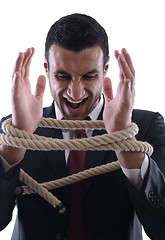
x=109 y=167
x=43 y=192
x=115 y=141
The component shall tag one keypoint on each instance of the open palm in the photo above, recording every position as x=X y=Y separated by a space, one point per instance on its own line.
x=26 y=107
x=118 y=110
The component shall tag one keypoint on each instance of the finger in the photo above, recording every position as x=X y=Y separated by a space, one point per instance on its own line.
x=18 y=64
x=40 y=87
x=128 y=94
x=107 y=88
x=26 y=64
x=116 y=53
x=128 y=60
x=131 y=67
x=16 y=87
x=121 y=76
x=125 y=64
x=124 y=68
x=122 y=65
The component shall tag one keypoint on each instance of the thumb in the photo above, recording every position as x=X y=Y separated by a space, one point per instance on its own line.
x=40 y=87
x=107 y=88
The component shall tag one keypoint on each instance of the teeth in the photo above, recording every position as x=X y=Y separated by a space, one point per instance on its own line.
x=71 y=101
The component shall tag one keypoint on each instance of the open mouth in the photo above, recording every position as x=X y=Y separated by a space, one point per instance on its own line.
x=74 y=104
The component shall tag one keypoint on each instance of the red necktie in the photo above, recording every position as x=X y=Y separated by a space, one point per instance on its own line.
x=76 y=163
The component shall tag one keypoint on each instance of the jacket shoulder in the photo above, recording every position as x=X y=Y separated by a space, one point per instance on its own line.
x=145 y=117
x=49 y=111
x=148 y=122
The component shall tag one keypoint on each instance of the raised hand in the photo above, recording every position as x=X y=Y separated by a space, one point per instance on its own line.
x=26 y=107
x=118 y=109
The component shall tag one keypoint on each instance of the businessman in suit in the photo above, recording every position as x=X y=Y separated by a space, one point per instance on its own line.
x=113 y=205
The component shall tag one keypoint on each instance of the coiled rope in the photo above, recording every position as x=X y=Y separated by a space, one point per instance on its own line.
x=115 y=141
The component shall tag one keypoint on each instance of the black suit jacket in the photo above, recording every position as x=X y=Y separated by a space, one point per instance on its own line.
x=112 y=207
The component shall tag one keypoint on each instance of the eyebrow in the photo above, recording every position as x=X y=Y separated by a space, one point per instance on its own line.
x=61 y=72
x=92 y=71
x=64 y=72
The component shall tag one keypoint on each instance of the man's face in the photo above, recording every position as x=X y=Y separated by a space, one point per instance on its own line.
x=76 y=80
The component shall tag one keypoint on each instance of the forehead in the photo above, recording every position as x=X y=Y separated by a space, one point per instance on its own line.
x=75 y=62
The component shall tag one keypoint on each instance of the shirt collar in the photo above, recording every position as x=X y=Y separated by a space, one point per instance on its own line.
x=93 y=115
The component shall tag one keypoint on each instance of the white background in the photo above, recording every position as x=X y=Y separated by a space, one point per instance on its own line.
x=137 y=25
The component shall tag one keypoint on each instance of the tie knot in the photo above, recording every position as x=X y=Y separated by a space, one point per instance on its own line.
x=80 y=133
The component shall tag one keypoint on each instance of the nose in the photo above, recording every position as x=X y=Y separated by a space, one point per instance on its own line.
x=76 y=90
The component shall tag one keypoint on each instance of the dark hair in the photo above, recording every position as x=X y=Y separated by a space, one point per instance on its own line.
x=77 y=32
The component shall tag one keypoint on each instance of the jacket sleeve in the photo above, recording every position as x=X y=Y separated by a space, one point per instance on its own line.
x=8 y=183
x=149 y=200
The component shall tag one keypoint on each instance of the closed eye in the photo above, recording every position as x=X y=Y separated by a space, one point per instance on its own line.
x=89 y=76
x=63 y=77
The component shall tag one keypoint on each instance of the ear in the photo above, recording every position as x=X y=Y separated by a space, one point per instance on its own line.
x=106 y=67
x=46 y=67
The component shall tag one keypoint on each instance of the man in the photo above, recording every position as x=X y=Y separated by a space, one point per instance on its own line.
x=114 y=204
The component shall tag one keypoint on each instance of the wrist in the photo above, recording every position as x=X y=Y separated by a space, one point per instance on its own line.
x=11 y=154
x=118 y=127
x=21 y=126
x=130 y=160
